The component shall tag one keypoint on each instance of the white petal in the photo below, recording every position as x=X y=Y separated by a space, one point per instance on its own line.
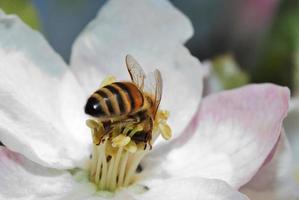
x=191 y=189
x=154 y=33
x=23 y=179
x=33 y=82
x=235 y=132
x=72 y=102
x=275 y=180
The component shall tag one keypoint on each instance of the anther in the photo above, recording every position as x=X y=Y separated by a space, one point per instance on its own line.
x=91 y=123
x=120 y=141
x=119 y=148
x=165 y=131
x=131 y=147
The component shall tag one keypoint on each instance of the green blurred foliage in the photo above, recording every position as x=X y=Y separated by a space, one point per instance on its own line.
x=24 y=9
x=278 y=55
x=228 y=72
x=296 y=73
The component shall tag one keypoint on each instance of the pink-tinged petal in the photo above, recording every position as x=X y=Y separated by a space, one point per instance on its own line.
x=233 y=134
x=26 y=180
x=191 y=189
x=39 y=99
x=154 y=32
x=275 y=180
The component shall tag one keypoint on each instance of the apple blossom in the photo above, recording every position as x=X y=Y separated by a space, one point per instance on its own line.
x=217 y=146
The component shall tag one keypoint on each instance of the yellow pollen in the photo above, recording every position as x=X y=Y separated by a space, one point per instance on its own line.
x=131 y=147
x=108 y=80
x=165 y=131
x=120 y=141
x=116 y=154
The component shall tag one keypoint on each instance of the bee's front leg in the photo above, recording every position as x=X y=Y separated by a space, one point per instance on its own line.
x=149 y=143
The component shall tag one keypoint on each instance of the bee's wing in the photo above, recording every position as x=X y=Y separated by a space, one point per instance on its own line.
x=154 y=87
x=136 y=72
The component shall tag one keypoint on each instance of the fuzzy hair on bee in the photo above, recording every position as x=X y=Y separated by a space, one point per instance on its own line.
x=128 y=102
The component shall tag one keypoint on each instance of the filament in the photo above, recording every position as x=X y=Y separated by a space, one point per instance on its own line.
x=116 y=156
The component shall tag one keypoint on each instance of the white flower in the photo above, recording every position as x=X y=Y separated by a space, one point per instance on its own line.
x=229 y=139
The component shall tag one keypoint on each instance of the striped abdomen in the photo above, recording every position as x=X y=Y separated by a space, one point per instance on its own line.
x=116 y=99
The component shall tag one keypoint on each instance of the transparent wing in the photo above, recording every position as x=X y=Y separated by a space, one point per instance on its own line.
x=136 y=72
x=154 y=87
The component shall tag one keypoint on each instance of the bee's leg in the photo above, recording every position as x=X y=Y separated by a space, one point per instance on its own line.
x=104 y=132
x=97 y=129
x=124 y=123
x=101 y=139
x=149 y=142
x=149 y=133
x=133 y=122
x=145 y=145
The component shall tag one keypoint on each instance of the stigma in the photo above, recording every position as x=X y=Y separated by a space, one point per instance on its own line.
x=117 y=152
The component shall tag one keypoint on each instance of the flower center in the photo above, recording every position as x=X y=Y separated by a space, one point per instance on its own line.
x=119 y=148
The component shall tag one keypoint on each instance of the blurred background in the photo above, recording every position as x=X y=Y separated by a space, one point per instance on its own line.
x=256 y=40
x=242 y=41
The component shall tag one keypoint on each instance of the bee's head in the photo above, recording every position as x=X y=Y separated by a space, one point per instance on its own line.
x=94 y=108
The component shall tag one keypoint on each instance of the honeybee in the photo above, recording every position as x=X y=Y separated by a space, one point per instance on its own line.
x=125 y=103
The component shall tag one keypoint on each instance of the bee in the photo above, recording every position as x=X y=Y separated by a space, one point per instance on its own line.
x=129 y=102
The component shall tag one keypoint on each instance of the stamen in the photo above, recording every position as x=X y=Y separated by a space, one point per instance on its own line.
x=165 y=131
x=131 y=147
x=120 y=141
x=116 y=157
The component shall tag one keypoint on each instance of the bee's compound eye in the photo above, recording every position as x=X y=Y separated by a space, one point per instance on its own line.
x=94 y=108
